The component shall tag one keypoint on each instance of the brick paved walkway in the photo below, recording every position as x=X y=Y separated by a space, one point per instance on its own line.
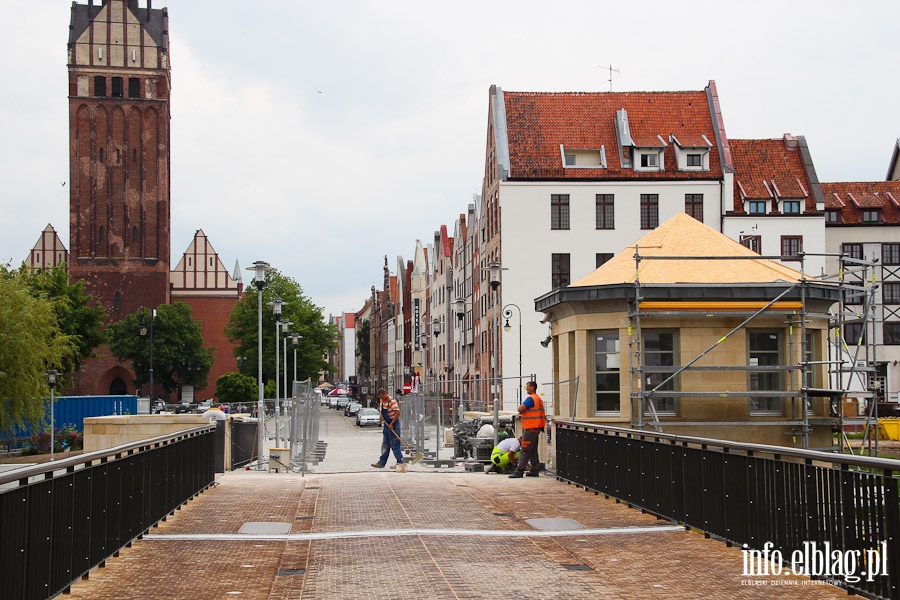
x=423 y=534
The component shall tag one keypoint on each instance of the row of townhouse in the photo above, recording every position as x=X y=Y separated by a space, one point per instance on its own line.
x=571 y=179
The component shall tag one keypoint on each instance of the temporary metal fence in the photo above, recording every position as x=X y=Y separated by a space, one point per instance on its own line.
x=303 y=437
x=59 y=520
x=779 y=504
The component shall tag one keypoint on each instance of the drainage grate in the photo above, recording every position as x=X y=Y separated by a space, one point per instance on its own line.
x=292 y=572
x=577 y=567
x=311 y=488
x=504 y=515
x=304 y=518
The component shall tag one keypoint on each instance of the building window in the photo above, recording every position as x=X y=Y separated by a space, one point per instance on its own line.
x=559 y=211
x=764 y=351
x=648 y=160
x=791 y=207
x=854 y=334
x=560 y=272
x=791 y=247
x=101 y=236
x=693 y=205
x=134 y=235
x=603 y=258
x=117 y=303
x=649 y=211
x=659 y=363
x=852 y=251
x=892 y=333
x=695 y=160
x=832 y=216
x=871 y=215
x=606 y=372
x=570 y=160
x=756 y=207
x=754 y=242
x=605 y=211
x=134 y=87
x=890 y=254
x=100 y=86
x=117 y=87
x=890 y=292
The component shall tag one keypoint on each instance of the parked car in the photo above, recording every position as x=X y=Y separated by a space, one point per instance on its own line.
x=342 y=402
x=332 y=401
x=368 y=416
x=352 y=408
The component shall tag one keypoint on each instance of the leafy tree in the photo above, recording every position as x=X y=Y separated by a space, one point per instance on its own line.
x=362 y=348
x=317 y=336
x=78 y=315
x=31 y=342
x=233 y=388
x=179 y=357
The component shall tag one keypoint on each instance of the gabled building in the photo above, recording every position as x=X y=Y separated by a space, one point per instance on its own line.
x=48 y=252
x=573 y=178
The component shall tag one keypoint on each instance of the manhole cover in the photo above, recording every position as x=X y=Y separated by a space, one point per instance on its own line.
x=265 y=528
x=554 y=524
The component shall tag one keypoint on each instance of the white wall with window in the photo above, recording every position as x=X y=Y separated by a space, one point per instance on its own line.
x=768 y=231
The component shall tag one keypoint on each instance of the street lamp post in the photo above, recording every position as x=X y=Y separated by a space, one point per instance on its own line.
x=295 y=338
x=143 y=331
x=259 y=269
x=279 y=407
x=459 y=306
x=276 y=305
x=507 y=314
x=51 y=380
x=494 y=269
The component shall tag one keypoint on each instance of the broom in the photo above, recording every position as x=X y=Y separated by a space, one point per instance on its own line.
x=416 y=457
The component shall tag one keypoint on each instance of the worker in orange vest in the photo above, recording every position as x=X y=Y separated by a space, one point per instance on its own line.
x=534 y=420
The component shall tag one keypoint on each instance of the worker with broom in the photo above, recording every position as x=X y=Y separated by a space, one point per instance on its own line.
x=390 y=431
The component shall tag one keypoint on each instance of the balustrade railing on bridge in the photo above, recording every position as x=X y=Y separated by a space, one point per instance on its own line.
x=59 y=520
x=753 y=496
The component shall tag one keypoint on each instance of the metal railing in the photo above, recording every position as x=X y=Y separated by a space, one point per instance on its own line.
x=304 y=425
x=785 y=502
x=59 y=520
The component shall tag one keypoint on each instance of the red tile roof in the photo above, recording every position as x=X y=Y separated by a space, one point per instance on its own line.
x=766 y=169
x=849 y=197
x=537 y=123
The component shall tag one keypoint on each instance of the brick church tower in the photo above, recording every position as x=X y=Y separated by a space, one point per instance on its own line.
x=119 y=210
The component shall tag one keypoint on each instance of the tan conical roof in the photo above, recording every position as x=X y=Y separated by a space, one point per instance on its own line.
x=685 y=236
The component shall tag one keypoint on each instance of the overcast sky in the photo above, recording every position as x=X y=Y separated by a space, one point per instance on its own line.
x=321 y=136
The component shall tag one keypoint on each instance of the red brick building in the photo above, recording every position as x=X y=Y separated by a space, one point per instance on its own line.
x=120 y=157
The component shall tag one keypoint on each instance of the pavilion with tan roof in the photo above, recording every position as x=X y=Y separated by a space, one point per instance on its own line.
x=689 y=332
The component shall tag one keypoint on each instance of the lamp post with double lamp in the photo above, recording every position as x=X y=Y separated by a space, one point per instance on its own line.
x=51 y=380
x=279 y=407
x=494 y=270
x=459 y=307
x=507 y=314
x=259 y=269
x=276 y=305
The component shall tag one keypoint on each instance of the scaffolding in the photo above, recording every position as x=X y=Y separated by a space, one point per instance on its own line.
x=847 y=374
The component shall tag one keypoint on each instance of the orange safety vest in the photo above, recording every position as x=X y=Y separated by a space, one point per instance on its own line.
x=534 y=417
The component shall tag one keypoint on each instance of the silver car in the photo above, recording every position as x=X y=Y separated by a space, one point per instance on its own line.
x=368 y=416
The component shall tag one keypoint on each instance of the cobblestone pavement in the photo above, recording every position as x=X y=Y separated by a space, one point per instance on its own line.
x=350 y=531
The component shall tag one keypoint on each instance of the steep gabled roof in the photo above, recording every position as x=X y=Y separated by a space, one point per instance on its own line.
x=769 y=170
x=538 y=123
x=684 y=236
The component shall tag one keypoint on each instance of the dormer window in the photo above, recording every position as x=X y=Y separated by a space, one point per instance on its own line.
x=648 y=160
x=790 y=207
x=573 y=158
x=756 y=207
x=871 y=215
x=691 y=152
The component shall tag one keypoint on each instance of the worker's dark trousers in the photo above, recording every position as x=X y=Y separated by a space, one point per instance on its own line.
x=529 y=452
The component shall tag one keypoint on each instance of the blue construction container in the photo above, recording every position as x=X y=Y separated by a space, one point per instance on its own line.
x=72 y=410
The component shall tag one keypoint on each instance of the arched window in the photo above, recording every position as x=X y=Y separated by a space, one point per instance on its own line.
x=134 y=235
x=118 y=301
x=102 y=235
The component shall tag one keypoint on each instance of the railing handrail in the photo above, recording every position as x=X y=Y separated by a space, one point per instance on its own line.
x=26 y=473
x=886 y=464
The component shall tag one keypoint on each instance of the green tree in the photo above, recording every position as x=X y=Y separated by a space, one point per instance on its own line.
x=78 y=315
x=317 y=336
x=362 y=349
x=179 y=357
x=232 y=388
x=31 y=342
